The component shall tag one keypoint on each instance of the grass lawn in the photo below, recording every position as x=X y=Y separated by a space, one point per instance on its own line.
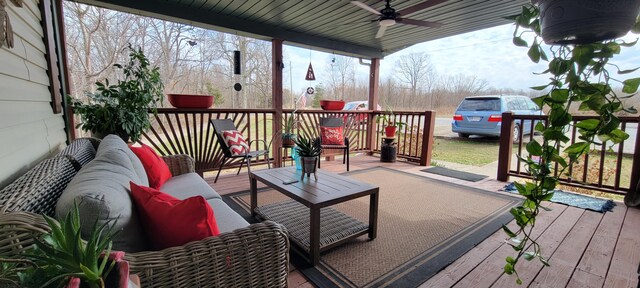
x=468 y=152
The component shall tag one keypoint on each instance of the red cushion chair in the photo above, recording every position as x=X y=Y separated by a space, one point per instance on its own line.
x=333 y=127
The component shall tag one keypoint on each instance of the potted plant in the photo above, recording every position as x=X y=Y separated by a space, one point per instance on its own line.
x=309 y=152
x=62 y=258
x=123 y=108
x=390 y=123
x=580 y=76
x=585 y=21
x=288 y=131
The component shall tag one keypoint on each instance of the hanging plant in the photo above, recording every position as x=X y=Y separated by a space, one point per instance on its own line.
x=580 y=74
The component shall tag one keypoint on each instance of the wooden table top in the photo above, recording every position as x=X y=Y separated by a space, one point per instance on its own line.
x=330 y=188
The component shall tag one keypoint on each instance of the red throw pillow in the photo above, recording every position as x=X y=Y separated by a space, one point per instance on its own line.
x=169 y=222
x=235 y=141
x=157 y=170
x=331 y=135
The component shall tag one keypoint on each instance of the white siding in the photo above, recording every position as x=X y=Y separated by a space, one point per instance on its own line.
x=29 y=131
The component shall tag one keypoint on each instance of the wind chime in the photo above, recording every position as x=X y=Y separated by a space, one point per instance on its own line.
x=310 y=76
x=237 y=69
x=6 y=31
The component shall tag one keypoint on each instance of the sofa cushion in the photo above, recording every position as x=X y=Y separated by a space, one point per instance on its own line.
x=227 y=219
x=157 y=171
x=38 y=190
x=80 y=152
x=189 y=185
x=115 y=142
x=170 y=222
x=101 y=189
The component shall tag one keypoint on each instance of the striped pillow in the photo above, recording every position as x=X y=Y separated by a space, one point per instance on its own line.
x=236 y=142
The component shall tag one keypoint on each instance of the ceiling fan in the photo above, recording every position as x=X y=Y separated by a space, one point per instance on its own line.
x=389 y=16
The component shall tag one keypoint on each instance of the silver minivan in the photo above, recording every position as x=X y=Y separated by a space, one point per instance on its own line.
x=482 y=115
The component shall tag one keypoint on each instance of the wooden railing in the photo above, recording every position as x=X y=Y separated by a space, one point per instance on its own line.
x=187 y=131
x=608 y=168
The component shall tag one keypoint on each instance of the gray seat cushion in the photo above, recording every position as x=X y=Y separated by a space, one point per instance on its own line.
x=227 y=219
x=115 y=142
x=189 y=185
x=101 y=189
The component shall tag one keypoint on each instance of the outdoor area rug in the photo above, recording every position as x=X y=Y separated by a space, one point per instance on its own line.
x=423 y=225
x=455 y=173
x=575 y=200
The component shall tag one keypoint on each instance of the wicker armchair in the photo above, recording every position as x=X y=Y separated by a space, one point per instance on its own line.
x=254 y=256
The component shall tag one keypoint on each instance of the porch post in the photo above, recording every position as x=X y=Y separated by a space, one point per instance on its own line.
x=427 y=138
x=374 y=77
x=276 y=96
x=635 y=172
x=506 y=147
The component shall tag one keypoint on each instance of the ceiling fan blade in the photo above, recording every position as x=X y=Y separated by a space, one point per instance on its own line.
x=381 y=31
x=419 y=23
x=365 y=7
x=418 y=7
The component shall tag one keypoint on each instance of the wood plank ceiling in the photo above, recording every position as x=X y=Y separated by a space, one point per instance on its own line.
x=333 y=26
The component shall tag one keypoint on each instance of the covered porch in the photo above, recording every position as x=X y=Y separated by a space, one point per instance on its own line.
x=585 y=248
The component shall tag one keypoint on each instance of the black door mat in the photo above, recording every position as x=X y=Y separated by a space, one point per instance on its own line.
x=455 y=174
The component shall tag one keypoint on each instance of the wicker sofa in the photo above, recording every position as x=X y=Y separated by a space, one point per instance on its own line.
x=253 y=256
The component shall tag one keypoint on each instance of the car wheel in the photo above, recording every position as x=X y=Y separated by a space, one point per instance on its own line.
x=516 y=134
x=463 y=135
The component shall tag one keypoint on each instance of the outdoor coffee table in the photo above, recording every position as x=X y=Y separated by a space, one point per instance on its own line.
x=313 y=225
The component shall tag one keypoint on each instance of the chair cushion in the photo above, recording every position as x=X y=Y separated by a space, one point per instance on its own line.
x=115 y=142
x=38 y=190
x=331 y=135
x=236 y=142
x=188 y=185
x=171 y=222
x=80 y=152
x=101 y=189
x=157 y=171
x=228 y=220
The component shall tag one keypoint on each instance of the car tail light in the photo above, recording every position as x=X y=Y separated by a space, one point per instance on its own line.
x=495 y=118
x=457 y=117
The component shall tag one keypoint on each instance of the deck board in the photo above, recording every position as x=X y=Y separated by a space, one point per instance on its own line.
x=593 y=267
x=568 y=254
x=586 y=249
x=623 y=271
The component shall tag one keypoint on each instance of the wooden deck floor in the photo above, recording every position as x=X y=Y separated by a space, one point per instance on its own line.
x=585 y=248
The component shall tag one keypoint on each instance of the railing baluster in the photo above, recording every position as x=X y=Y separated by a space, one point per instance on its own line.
x=616 y=184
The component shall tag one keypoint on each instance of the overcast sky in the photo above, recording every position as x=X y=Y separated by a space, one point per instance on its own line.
x=488 y=54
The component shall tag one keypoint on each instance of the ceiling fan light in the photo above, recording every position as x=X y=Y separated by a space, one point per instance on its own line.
x=387 y=22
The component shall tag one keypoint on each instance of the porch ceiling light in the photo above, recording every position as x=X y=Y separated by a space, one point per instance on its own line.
x=387 y=22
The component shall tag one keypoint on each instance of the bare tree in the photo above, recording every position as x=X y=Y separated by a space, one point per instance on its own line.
x=415 y=70
x=341 y=74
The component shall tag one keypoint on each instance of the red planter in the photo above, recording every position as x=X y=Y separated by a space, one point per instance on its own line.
x=332 y=104
x=190 y=101
x=390 y=131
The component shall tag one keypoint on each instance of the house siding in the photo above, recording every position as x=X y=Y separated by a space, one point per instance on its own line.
x=29 y=130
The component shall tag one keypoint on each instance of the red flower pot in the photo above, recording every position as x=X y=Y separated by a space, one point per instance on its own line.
x=390 y=131
x=190 y=101
x=332 y=104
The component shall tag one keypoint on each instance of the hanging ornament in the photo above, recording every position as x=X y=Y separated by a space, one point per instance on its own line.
x=310 y=75
x=237 y=87
x=310 y=90
x=6 y=31
x=237 y=67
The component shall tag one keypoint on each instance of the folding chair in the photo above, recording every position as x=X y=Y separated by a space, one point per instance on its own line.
x=222 y=125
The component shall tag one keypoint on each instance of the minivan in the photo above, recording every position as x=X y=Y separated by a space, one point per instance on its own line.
x=482 y=115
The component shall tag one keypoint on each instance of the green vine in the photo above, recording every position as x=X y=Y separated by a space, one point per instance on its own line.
x=579 y=75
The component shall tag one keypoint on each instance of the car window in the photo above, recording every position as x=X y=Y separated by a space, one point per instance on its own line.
x=480 y=105
x=512 y=104
x=532 y=105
